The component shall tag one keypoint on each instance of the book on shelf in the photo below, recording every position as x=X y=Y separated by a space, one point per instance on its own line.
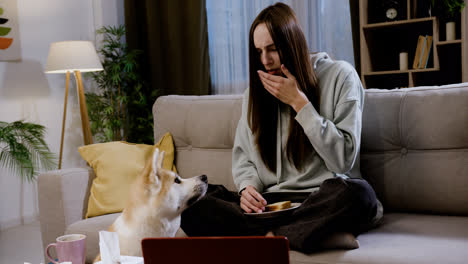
x=419 y=50
x=423 y=51
x=426 y=53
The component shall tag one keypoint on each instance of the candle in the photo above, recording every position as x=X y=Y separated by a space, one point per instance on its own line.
x=450 y=31
x=403 y=61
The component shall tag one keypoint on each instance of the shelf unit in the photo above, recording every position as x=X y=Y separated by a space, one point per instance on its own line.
x=381 y=43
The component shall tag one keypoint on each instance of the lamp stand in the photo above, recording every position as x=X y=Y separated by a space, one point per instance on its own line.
x=87 y=136
x=64 y=118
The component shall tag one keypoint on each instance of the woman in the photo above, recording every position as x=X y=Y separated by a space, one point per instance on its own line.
x=299 y=131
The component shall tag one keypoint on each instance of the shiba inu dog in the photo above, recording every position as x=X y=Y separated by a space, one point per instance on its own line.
x=156 y=201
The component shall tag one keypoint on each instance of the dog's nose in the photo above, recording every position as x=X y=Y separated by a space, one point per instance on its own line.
x=204 y=178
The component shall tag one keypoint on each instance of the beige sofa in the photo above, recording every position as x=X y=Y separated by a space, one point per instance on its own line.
x=414 y=152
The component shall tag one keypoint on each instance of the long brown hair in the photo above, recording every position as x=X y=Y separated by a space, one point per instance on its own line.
x=291 y=45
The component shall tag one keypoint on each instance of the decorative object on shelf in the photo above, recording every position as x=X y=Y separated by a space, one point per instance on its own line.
x=76 y=57
x=448 y=11
x=403 y=61
x=450 y=31
x=23 y=149
x=391 y=10
x=121 y=110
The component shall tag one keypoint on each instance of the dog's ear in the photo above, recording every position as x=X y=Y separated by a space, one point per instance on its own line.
x=154 y=164
x=160 y=160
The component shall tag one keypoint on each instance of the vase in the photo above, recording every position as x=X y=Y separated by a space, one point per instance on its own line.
x=450 y=31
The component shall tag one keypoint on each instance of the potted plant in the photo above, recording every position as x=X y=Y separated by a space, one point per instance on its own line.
x=448 y=11
x=121 y=110
x=23 y=149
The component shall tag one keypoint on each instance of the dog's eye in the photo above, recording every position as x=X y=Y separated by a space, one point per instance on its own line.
x=177 y=180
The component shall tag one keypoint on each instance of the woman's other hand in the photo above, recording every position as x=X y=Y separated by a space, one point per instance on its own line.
x=252 y=201
x=285 y=89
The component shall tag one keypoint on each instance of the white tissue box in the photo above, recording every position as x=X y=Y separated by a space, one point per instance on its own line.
x=128 y=260
x=110 y=250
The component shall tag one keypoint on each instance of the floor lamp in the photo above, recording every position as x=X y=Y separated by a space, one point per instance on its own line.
x=76 y=57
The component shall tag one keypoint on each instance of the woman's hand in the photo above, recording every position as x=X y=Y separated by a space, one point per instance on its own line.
x=285 y=89
x=251 y=200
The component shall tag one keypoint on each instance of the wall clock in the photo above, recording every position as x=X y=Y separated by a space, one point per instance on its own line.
x=390 y=10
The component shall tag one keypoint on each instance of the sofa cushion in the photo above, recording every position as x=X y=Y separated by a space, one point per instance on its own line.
x=414 y=148
x=403 y=238
x=116 y=165
x=203 y=128
x=91 y=227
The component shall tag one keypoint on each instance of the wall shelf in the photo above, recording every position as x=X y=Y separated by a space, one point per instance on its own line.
x=399 y=22
x=398 y=71
x=457 y=41
x=382 y=42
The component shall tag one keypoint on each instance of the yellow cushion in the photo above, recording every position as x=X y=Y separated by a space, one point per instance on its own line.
x=116 y=164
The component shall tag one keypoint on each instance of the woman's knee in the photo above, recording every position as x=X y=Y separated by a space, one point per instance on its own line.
x=365 y=197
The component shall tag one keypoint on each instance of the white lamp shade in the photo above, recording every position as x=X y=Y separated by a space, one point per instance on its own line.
x=72 y=56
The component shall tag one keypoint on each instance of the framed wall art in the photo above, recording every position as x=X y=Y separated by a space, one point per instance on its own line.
x=10 y=49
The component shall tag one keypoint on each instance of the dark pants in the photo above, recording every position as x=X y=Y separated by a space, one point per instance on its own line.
x=339 y=206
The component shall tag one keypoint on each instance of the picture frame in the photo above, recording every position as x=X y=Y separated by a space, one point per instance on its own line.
x=10 y=48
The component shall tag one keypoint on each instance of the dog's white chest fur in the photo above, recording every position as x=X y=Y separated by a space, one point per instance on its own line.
x=143 y=225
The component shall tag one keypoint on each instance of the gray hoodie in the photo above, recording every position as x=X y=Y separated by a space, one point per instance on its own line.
x=334 y=131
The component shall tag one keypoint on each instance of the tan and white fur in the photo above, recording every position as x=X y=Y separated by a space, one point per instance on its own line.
x=156 y=201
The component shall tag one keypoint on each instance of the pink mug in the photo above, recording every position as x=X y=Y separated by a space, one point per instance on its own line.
x=69 y=248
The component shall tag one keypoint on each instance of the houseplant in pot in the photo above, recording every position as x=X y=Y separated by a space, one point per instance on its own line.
x=121 y=109
x=23 y=149
x=449 y=12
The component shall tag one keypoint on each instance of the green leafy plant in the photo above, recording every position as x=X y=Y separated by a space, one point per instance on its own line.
x=448 y=9
x=23 y=149
x=121 y=110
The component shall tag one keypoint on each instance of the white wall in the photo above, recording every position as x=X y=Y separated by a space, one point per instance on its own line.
x=27 y=93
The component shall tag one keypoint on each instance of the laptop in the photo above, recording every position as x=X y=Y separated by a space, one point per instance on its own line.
x=219 y=250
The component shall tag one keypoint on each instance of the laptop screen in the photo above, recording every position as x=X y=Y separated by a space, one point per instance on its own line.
x=219 y=250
